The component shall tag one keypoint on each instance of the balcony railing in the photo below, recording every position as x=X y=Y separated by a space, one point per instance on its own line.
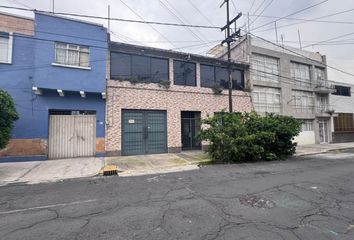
x=325 y=108
x=323 y=87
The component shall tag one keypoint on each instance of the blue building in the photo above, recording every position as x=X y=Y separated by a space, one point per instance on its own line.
x=55 y=69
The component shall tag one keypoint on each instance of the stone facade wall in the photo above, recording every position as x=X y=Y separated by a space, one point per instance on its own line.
x=124 y=95
x=12 y=23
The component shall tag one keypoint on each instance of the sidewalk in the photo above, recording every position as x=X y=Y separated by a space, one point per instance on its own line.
x=322 y=148
x=33 y=172
x=48 y=171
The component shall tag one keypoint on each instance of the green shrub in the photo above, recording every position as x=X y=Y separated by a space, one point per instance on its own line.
x=247 y=137
x=8 y=115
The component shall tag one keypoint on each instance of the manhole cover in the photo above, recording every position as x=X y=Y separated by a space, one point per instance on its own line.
x=256 y=201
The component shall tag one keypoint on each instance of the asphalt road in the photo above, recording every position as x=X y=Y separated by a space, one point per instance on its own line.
x=305 y=198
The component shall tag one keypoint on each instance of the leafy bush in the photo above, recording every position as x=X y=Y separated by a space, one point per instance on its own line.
x=8 y=115
x=247 y=137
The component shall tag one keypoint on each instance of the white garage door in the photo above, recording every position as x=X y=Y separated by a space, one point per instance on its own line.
x=72 y=136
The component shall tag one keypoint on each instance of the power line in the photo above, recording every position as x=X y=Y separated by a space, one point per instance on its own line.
x=328 y=40
x=179 y=19
x=265 y=8
x=201 y=13
x=112 y=19
x=308 y=20
x=152 y=27
x=299 y=54
x=252 y=4
x=291 y=14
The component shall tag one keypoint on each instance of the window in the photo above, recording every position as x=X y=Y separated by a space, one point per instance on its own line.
x=212 y=75
x=306 y=125
x=301 y=74
x=266 y=100
x=184 y=73
x=72 y=55
x=303 y=102
x=319 y=74
x=264 y=68
x=342 y=91
x=5 y=47
x=136 y=67
x=344 y=122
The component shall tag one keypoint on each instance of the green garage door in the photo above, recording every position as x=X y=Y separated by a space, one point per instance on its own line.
x=144 y=132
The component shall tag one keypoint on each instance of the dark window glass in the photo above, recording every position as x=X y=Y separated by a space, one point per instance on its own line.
x=120 y=66
x=140 y=68
x=207 y=75
x=238 y=81
x=222 y=77
x=159 y=70
x=184 y=73
x=342 y=91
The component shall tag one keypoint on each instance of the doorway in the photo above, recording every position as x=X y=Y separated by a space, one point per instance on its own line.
x=323 y=128
x=190 y=129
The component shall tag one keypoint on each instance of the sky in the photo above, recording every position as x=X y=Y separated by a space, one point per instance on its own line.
x=339 y=52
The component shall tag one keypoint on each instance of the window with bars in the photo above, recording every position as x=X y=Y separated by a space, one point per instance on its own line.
x=306 y=125
x=303 y=102
x=266 y=100
x=264 y=68
x=72 y=55
x=5 y=47
x=301 y=74
x=319 y=74
x=342 y=91
x=344 y=122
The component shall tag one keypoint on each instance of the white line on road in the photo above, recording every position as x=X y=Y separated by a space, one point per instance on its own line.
x=48 y=206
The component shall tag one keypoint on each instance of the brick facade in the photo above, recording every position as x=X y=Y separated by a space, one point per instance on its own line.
x=25 y=147
x=124 y=95
x=16 y=24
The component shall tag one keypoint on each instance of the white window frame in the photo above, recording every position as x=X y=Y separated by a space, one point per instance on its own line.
x=270 y=97
x=71 y=47
x=307 y=125
x=264 y=68
x=9 y=49
x=304 y=102
x=301 y=74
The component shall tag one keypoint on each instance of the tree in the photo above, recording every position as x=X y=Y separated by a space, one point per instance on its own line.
x=8 y=115
x=247 y=137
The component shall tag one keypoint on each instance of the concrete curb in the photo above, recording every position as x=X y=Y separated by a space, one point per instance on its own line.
x=323 y=151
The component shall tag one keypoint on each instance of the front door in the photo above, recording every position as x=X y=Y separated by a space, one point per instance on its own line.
x=144 y=132
x=323 y=128
x=190 y=130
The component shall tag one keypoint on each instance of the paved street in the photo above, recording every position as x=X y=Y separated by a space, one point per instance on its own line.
x=305 y=198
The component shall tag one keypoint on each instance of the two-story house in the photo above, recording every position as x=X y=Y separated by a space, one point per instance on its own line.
x=156 y=98
x=288 y=81
x=55 y=69
x=343 y=103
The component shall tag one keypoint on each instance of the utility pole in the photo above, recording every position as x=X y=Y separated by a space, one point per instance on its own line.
x=298 y=32
x=229 y=38
x=53 y=6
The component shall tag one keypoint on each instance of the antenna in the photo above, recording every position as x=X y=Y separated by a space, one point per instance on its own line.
x=298 y=32
x=109 y=18
x=276 y=31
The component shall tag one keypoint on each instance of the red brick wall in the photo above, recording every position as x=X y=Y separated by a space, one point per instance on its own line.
x=11 y=23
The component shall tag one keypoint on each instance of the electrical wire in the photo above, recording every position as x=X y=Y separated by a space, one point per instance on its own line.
x=265 y=8
x=291 y=14
x=307 y=20
x=112 y=19
x=152 y=27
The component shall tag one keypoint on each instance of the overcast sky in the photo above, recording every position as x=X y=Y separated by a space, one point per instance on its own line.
x=339 y=53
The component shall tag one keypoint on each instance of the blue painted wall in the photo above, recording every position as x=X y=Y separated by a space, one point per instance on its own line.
x=32 y=66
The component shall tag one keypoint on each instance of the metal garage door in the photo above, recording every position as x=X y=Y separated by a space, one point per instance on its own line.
x=144 y=132
x=72 y=136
